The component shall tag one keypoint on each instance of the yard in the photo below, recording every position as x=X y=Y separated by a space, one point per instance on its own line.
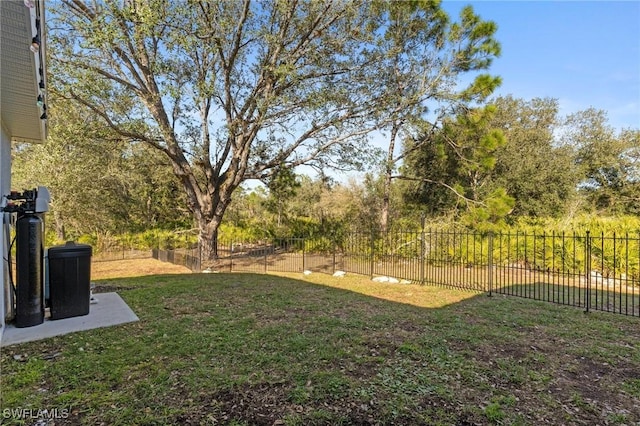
x=289 y=349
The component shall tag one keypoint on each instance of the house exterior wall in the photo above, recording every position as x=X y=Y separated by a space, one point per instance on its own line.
x=5 y=185
x=24 y=78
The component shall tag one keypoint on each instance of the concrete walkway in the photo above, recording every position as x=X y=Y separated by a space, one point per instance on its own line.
x=109 y=310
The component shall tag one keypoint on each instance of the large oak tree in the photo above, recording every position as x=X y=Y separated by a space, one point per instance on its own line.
x=235 y=90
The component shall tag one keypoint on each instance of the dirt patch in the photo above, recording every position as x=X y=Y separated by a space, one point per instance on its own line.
x=134 y=268
x=583 y=388
x=270 y=404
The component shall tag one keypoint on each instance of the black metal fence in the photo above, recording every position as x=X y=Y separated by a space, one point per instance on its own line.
x=168 y=247
x=119 y=251
x=591 y=272
x=189 y=258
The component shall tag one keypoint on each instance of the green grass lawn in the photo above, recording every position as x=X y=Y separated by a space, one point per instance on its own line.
x=246 y=349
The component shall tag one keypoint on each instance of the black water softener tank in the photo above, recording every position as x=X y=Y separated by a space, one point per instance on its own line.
x=29 y=270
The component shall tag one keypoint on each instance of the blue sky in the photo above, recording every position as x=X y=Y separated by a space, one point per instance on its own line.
x=583 y=53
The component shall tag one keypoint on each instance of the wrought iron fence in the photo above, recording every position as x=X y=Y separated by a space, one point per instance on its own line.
x=127 y=246
x=119 y=251
x=189 y=258
x=593 y=272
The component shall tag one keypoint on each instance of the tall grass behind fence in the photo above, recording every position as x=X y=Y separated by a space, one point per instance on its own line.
x=117 y=248
x=170 y=246
x=593 y=272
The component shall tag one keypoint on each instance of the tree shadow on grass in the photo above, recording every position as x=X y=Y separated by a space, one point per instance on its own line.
x=264 y=349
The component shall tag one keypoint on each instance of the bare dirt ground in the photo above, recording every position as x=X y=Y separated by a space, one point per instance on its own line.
x=133 y=268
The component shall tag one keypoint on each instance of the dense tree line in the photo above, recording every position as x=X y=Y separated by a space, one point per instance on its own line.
x=512 y=159
x=529 y=162
x=164 y=114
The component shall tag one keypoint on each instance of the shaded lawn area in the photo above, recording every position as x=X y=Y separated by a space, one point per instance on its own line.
x=247 y=349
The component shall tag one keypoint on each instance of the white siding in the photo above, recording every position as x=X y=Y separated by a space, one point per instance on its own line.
x=5 y=185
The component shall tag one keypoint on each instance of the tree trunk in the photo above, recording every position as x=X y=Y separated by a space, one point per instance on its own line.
x=386 y=195
x=208 y=243
x=208 y=248
x=59 y=226
x=388 y=171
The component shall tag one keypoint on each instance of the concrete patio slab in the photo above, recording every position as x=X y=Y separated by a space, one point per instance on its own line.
x=109 y=310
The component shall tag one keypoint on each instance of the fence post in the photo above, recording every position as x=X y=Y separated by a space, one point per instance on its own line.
x=490 y=262
x=265 y=258
x=373 y=248
x=587 y=268
x=333 y=244
x=304 y=263
x=422 y=247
